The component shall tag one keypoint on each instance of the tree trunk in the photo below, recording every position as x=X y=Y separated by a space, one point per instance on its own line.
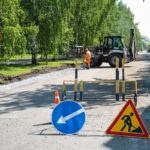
x=33 y=51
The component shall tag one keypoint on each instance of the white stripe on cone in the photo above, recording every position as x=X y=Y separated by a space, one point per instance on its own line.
x=56 y=97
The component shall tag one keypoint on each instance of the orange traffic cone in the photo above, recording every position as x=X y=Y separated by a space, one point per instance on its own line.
x=57 y=99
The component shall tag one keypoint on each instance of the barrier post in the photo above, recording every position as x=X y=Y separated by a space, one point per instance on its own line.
x=117 y=90
x=117 y=69
x=123 y=81
x=123 y=73
x=76 y=80
x=76 y=70
x=75 y=89
x=64 y=91
x=135 y=92
x=81 y=90
x=117 y=79
x=123 y=89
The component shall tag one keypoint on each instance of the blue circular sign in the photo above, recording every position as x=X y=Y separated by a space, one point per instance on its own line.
x=68 y=117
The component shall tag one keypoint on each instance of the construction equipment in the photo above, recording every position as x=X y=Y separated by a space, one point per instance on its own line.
x=112 y=48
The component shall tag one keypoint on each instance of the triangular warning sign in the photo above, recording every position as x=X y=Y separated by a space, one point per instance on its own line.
x=128 y=123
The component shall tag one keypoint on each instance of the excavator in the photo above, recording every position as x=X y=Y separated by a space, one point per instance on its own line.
x=113 y=47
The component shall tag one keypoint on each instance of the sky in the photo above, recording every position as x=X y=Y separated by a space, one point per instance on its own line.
x=141 y=12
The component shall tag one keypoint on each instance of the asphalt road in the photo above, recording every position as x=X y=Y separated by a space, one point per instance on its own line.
x=25 y=111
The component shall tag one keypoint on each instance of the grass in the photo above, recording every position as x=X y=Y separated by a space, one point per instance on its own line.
x=25 y=56
x=18 y=69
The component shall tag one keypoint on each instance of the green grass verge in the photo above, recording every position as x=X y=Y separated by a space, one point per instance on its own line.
x=14 y=70
x=25 y=56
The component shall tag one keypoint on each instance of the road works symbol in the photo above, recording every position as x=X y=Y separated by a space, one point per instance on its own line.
x=128 y=123
x=68 y=117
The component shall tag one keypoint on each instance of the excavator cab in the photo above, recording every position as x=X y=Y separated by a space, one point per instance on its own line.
x=112 y=43
x=112 y=48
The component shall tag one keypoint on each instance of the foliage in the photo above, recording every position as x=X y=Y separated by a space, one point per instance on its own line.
x=145 y=43
x=148 y=47
x=14 y=40
x=57 y=25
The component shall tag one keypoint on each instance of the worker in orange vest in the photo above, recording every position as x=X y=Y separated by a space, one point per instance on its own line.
x=88 y=57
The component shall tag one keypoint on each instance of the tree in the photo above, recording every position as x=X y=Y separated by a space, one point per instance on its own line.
x=14 y=41
x=31 y=26
x=52 y=26
x=148 y=46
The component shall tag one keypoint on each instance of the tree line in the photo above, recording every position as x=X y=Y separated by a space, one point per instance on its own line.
x=53 y=26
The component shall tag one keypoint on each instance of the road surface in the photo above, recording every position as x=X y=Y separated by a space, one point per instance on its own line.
x=25 y=111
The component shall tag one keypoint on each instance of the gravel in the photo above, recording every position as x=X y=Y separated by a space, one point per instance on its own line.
x=38 y=78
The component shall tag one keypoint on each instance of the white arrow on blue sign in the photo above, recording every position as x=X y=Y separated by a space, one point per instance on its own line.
x=68 y=117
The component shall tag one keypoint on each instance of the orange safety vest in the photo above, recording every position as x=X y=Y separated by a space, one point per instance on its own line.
x=88 y=56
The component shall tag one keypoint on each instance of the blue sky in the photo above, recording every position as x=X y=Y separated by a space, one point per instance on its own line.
x=141 y=13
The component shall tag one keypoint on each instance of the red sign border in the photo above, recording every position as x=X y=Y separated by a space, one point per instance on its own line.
x=129 y=102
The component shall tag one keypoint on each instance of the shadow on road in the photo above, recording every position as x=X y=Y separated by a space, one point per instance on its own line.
x=144 y=75
x=27 y=99
x=95 y=94
x=124 y=143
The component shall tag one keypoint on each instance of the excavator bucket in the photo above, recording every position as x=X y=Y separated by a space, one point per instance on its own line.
x=132 y=46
